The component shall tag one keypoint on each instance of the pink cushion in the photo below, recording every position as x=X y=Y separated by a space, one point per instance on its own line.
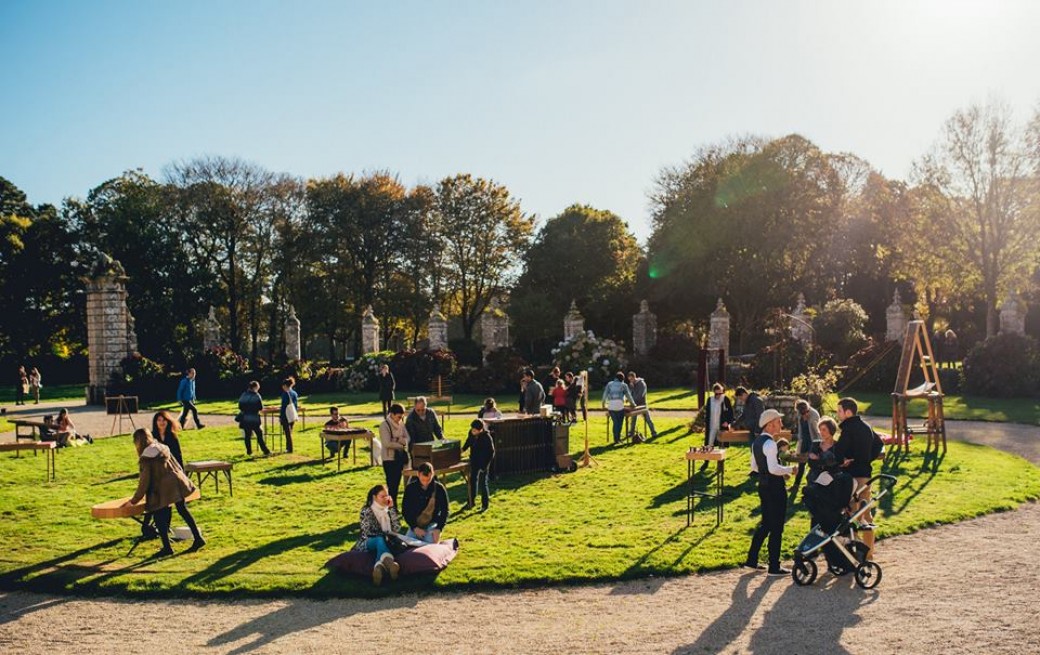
x=430 y=558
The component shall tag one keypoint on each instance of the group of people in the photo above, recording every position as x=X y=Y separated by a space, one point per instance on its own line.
x=567 y=393
x=62 y=430
x=249 y=417
x=853 y=455
x=28 y=383
x=616 y=394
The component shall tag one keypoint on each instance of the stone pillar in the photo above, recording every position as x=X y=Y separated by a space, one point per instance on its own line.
x=211 y=330
x=895 y=319
x=644 y=330
x=573 y=322
x=108 y=322
x=718 y=333
x=494 y=328
x=1012 y=316
x=438 y=329
x=369 y=332
x=131 y=333
x=292 y=335
x=801 y=323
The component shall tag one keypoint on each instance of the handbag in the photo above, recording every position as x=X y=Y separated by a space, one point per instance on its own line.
x=291 y=414
x=398 y=544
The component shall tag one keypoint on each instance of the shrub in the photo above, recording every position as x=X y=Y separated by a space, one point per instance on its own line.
x=144 y=378
x=786 y=359
x=361 y=376
x=1004 y=365
x=467 y=352
x=499 y=375
x=874 y=368
x=814 y=385
x=665 y=373
x=416 y=369
x=602 y=358
x=839 y=327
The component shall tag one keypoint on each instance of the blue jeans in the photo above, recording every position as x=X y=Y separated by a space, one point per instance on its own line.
x=427 y=536
x=619 y=420
x=377 y=546
x=649 y=424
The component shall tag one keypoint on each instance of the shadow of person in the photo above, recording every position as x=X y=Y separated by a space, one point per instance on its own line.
x=728 y=626
x=811 y=619
x=300 y=615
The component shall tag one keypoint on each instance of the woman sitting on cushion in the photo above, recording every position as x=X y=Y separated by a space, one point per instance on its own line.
x=378 y=517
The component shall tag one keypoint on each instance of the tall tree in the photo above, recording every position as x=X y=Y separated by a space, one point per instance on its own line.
x=583 y=254
x=986 y=172
x=485 y=235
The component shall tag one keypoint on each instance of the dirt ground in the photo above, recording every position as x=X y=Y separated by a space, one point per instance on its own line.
x=965 y=588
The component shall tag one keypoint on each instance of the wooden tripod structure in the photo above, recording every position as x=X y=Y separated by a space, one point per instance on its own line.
x=918 y=348
x=587 y=459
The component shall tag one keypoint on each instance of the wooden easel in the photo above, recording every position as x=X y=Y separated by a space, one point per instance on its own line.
x=587 y=459
x=122 y=409
x=918 y=348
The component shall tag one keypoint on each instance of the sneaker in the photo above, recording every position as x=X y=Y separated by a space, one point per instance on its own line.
x=394 y=568
x=199 y=426
x=754 y=567
x=165 y=552
x=377 y=574
x=779 y=571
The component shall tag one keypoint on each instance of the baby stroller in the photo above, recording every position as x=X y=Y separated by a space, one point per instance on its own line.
x=834 y=532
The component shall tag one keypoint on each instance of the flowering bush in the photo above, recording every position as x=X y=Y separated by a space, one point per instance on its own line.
x=362 y=375
x=585 y=351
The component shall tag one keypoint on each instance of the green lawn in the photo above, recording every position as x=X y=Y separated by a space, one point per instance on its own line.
x=63 y=392
x=621 y=519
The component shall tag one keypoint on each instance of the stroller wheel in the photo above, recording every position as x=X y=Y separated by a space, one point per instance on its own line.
x=804 y=572
x=868 y=575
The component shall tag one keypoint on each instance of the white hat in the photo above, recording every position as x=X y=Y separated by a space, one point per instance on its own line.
x=767 y=416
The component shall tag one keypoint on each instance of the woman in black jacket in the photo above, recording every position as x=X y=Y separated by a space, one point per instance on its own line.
x=482 y=451
x=387 y=385
x=249 y=405
x=164 y=429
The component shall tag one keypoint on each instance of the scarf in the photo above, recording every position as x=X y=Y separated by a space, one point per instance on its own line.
x=382 y=514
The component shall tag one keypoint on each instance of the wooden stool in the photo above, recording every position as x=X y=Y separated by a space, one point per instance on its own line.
x=208 y=468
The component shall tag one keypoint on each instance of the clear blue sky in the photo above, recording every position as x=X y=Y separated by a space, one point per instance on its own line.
x=560 y=101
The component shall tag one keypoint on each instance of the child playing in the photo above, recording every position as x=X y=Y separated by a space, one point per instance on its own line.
x=483 y=451
x=559 y=396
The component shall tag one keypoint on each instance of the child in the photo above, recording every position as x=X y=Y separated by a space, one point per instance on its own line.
x=483 y=451
x=490 y=410
x=559 y=396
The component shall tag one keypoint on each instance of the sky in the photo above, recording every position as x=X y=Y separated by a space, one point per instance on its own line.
x=561 y=101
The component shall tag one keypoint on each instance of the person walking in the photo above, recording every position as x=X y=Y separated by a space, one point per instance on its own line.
x=614 y=396
x=481 y=452
x=289 y=411
x=387 y=386
x=772 y=494
x=249 y=405
x=35 y=384
x=186 y=396
x=21 y=387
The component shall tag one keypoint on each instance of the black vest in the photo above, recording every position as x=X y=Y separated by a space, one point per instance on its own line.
x=764 y=476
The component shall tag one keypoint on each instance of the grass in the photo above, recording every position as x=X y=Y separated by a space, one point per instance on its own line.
x=624 y=518
x=57 y=392
x=969 y=408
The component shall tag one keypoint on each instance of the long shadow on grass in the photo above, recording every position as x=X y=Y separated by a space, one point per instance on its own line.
x=54 y=575
x=930 y=464
x=735 y=619
x=235 y=562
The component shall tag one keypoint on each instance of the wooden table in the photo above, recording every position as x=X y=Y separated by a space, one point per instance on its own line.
x=462 y=468
x=349 y=434
x=50 y=449
x=627 y=428
x=273 y=419
x=211 y=468
x=33 y=425
x=115 y=509
x=719 y=457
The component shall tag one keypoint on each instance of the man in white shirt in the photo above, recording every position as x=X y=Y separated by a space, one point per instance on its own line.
x=772 y=493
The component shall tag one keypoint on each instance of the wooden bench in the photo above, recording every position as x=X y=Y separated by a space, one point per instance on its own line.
x=50 y=449
x=462 y=468
x=211 y=468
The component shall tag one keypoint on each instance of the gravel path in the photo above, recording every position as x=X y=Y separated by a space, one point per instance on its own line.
x=965 y=588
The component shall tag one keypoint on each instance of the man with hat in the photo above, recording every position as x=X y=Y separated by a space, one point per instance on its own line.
x=771 y=492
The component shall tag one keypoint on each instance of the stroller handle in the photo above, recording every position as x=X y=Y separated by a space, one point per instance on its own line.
x=887 y=481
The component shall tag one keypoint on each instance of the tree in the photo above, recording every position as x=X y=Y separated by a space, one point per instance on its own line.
x=583 y=254
x=985 y=170
x=484 y=237
x=224 y=208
